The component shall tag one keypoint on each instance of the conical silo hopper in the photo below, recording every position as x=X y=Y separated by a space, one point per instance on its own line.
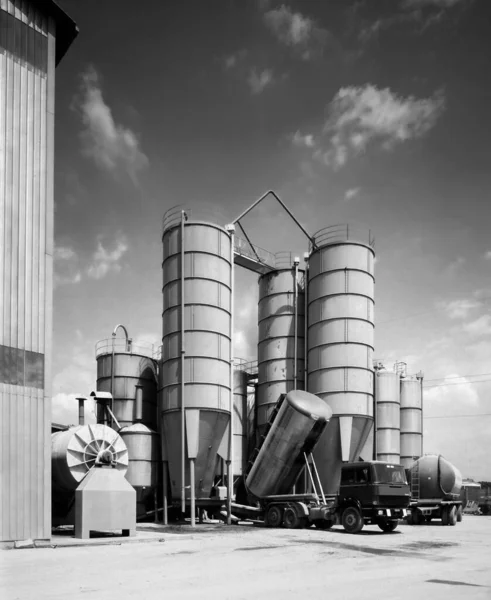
x=195 y=387
x=340 y=321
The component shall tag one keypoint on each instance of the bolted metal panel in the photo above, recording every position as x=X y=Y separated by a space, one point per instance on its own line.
x=74 y=453
x=207 y=335
x=411 y=420
x=143 y=455
x=131 y=369
x=276 y=339
x=340 y=321
x=240 y=421
x=388 y=417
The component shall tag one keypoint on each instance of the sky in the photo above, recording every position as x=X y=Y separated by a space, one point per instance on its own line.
x=373 y=113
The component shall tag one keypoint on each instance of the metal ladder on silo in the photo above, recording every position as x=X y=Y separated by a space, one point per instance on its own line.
x=271 y=419
x=415 y=482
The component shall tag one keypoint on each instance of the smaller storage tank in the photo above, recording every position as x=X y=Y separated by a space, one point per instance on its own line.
x=301 y=420
x=411 y=419
x=240 y=420
x=438 y=478
x=75 y=451
x=388 y=417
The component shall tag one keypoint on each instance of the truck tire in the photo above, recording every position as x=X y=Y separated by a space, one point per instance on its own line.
x=417 y=517
x=274 y=517
x=445 y=515
x=388 y=525
x=459 y=513
x=324 y=524
x=409 y=518
x=291 y=520
x=452 y=516
x=352 y=520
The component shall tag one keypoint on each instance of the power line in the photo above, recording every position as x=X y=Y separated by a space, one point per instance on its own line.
x=459 y=376
x=458 y=416
x=426 y=387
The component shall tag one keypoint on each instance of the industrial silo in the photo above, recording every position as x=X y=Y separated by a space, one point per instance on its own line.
x=340 y=344
x=122 y=367
x=196 y=378
x=411 y=419
x=281 y=348
x=240 y=421
x=388 y=415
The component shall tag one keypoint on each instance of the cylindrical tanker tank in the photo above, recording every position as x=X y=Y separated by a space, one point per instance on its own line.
x=195 y=370
x=340 y=341
x=240 y=420
x=438 y=478
x=388 y=416
x=75 y=451
x=121 y=367
x=281 y=350
x=411 y=419
x=296 y=429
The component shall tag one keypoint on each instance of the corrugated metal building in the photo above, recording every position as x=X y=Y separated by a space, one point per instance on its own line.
x=34 y=36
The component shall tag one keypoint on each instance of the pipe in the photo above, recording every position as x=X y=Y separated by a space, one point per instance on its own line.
x=113 y=418
x=422 y=426
x=112 y=376
x=306 y=330
x=139 y=404
x=193 y=503
x=295 y=326
x=230 y=466
x=81 y=412
x=183 y=350
x=156 y=505
x=310 y=474
x=318 y=478
x=254 y=204
x=164 y=483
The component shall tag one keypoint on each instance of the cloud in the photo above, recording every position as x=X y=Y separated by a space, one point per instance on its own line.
x=66 y=268
x=411 y=4
x=259 y=81
x=297 y=31
x=479 y=327
x=459 y=309
x=487 y=255
x=352 y=193
x=112 y=146
x=303 y=141
x=232 y=60
x=455 y=265
x=360 y=116
x=106 y=260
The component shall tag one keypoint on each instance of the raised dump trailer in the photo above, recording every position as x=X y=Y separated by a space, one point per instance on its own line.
x=293 y=431
x=435 y=491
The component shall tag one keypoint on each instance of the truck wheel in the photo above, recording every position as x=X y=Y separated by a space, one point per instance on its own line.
x=324 y=524
x=428 y=518
x=291 y=520
x=417 y=517
x=352 y=520
x=452 y=516
x=409 y=518
x=485 y=509
x=459 y=514
x=274 y=516
x=445 y=515
x=388 y=525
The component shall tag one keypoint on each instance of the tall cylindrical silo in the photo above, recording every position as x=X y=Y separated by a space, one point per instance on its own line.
x=122 y=367
x=281 y=348
x=411 y=419
x=340 y=344
x=388 y=416
x=240 y=420
x=196 y=373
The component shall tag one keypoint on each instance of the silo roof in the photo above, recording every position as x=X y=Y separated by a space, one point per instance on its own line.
x=66 y=28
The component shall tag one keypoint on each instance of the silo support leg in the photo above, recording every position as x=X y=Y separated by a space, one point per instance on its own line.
x=193 y=503
x=164 y=482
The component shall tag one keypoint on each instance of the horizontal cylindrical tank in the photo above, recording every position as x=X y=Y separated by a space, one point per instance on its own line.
x=296 y=429
x=411 y=419
x=438 y=478
x=281 y=353
x=388 y=416
x=143 y=455
x=196 y=261
x=340 y=342
x=133 y=366
x=75 y=451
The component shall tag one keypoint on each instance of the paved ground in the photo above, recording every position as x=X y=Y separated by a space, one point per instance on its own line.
x=247 y=562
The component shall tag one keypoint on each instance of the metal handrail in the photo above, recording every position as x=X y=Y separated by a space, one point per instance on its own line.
x=243 y=248
x=342 y=233
x=123 y=346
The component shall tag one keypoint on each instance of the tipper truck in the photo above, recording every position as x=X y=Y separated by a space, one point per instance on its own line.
x=370 y=492
x=435 y=491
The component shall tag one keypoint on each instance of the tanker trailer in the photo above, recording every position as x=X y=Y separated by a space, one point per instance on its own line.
x=435 y=491
x=293 y=430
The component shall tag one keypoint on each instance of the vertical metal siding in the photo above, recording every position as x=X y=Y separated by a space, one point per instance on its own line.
x=26 y=249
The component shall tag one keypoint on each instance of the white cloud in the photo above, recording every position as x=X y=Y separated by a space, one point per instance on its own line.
x=487 y=255
x=106 y=260
x=352 y=193
x=480 y=326
x=296 y=31
x=411 y=4
x=359 y=116
x=232 y=60
x=66 y=270
x=112 y=146
x=455 y=265
x=459 y=309
x=303 y=141
x=259 y=81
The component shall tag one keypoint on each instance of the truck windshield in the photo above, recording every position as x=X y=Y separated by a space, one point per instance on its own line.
x=389 y=474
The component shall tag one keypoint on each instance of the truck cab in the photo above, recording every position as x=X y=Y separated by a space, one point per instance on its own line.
x=372 y=493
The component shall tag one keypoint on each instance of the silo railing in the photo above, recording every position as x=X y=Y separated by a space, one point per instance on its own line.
x=123 y=345
x=253 y=252
x=342 y=233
